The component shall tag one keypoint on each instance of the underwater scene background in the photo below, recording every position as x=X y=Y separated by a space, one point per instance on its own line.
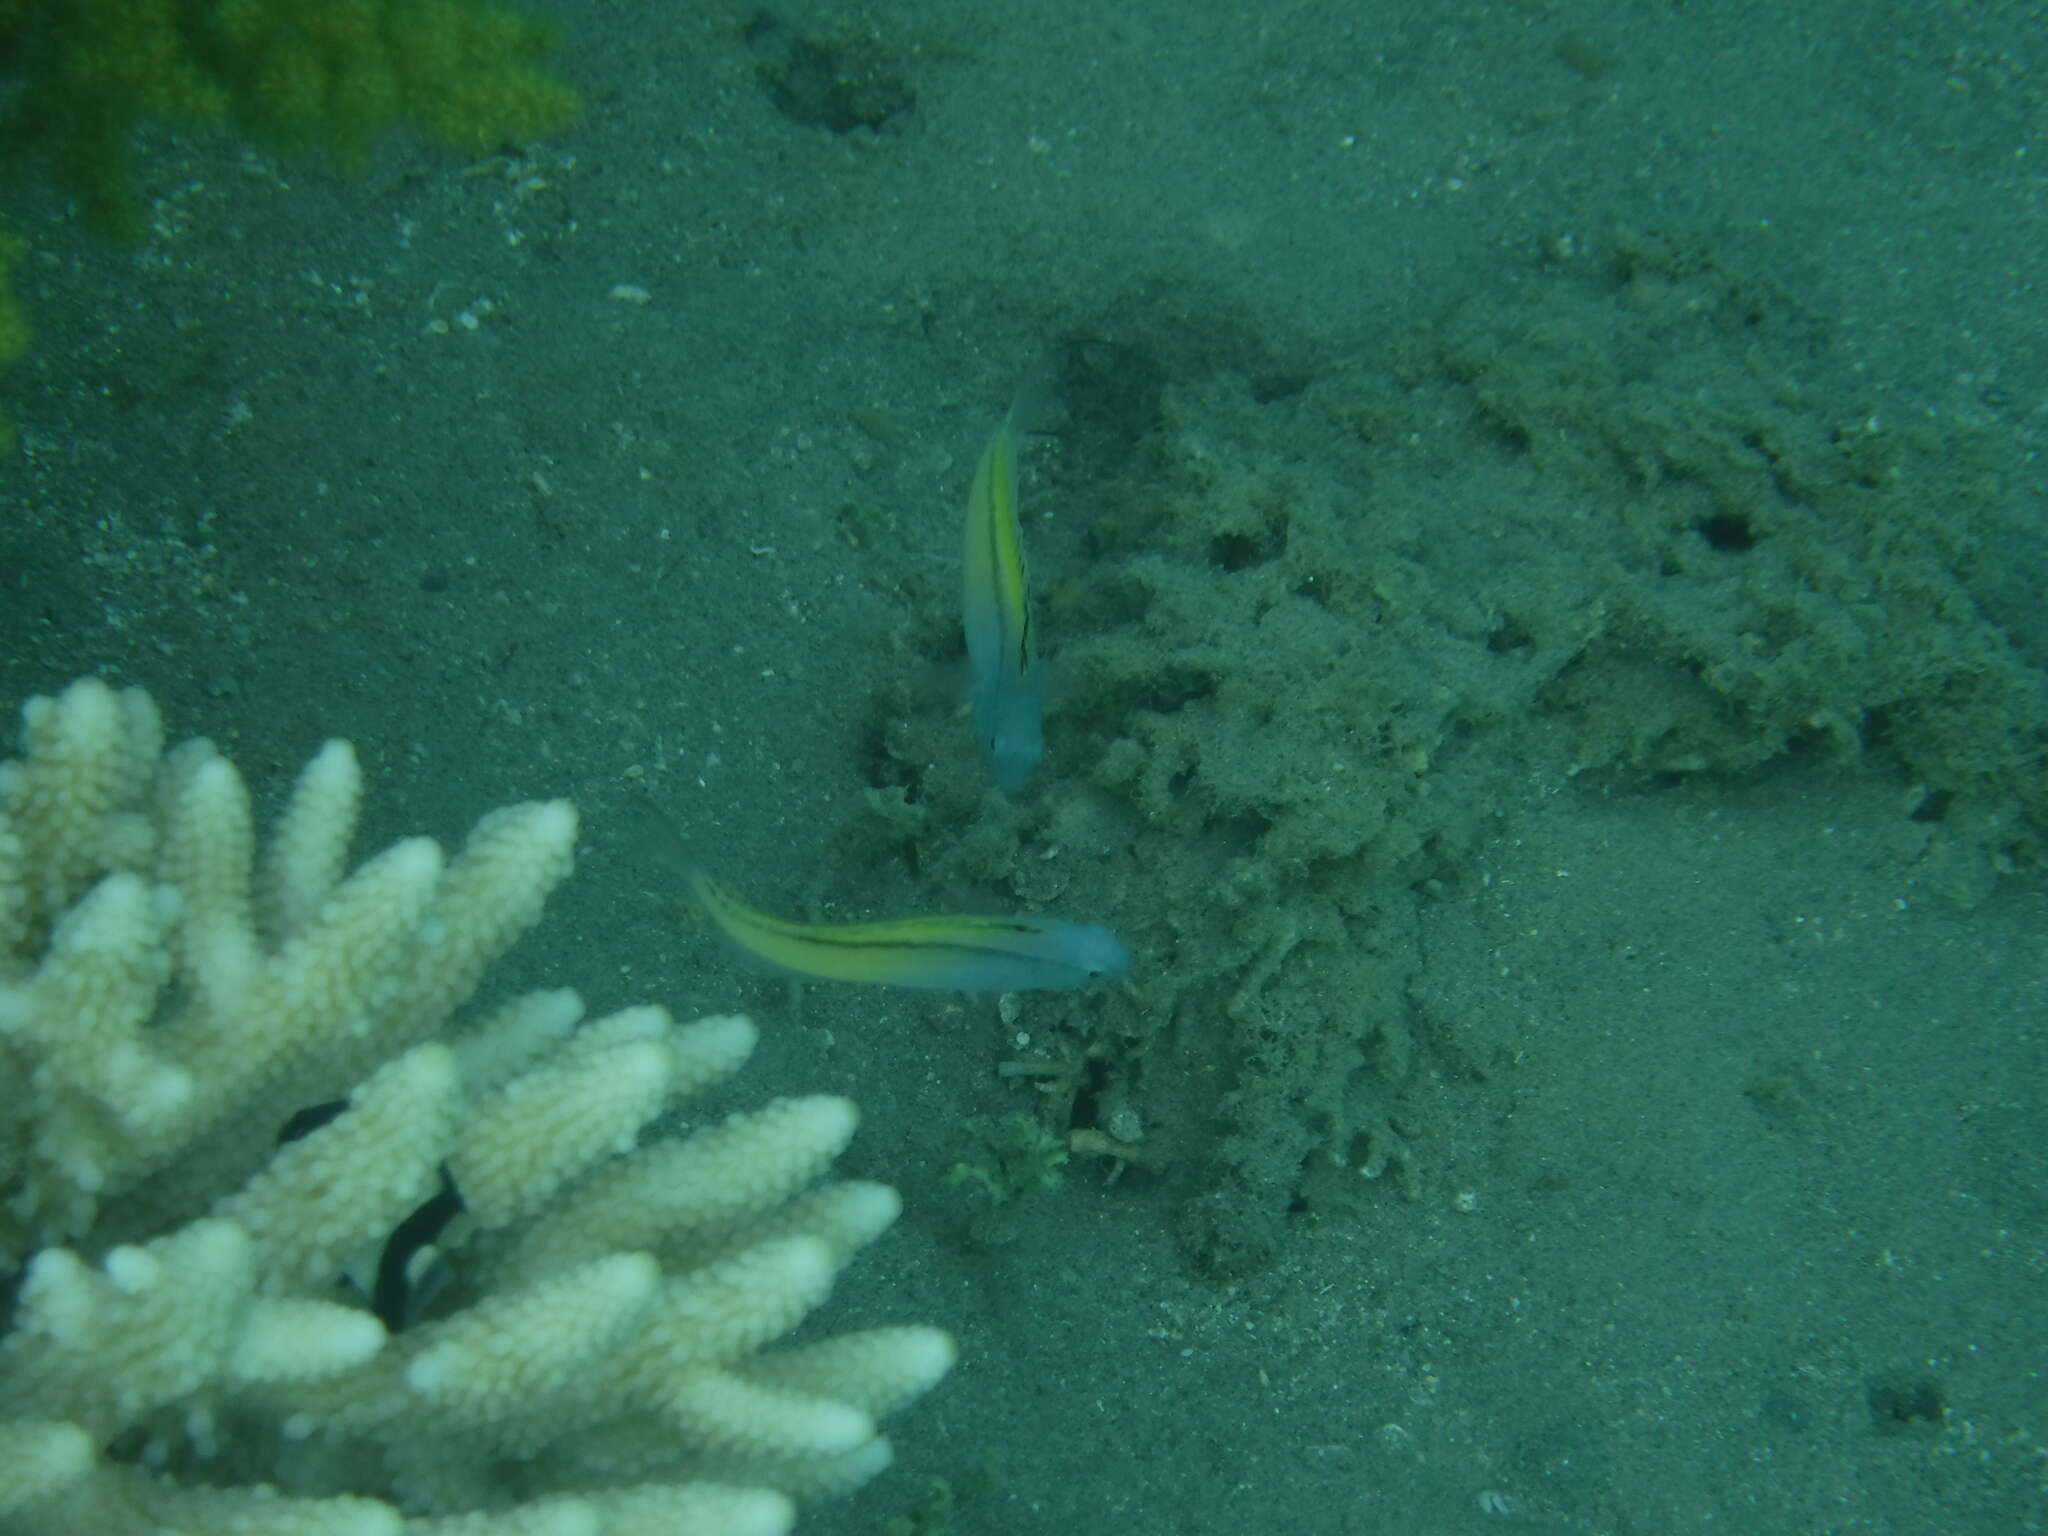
x=1537 y=541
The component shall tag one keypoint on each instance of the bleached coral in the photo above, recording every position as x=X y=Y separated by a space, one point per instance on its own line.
x=184 y=1351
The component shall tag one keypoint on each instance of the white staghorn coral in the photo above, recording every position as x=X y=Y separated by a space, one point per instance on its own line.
x=183 y=1352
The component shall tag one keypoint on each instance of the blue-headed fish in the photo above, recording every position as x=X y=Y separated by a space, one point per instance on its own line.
x=965 y=954
x=1008 y=686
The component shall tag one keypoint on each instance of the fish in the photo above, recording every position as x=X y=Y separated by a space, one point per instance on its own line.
x=956 y=954
x=1007 y=684
x=410 y=1270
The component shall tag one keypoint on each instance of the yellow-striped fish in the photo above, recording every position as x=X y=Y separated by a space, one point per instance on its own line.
x=964 y=954
x=1008 y=690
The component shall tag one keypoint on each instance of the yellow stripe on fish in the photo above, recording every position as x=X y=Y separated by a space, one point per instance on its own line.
x=966 y=954
x=1007 y=690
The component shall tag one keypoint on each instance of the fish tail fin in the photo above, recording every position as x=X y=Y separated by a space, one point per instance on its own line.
x=655 y=834
x=1040 y=401
x=688 y=891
